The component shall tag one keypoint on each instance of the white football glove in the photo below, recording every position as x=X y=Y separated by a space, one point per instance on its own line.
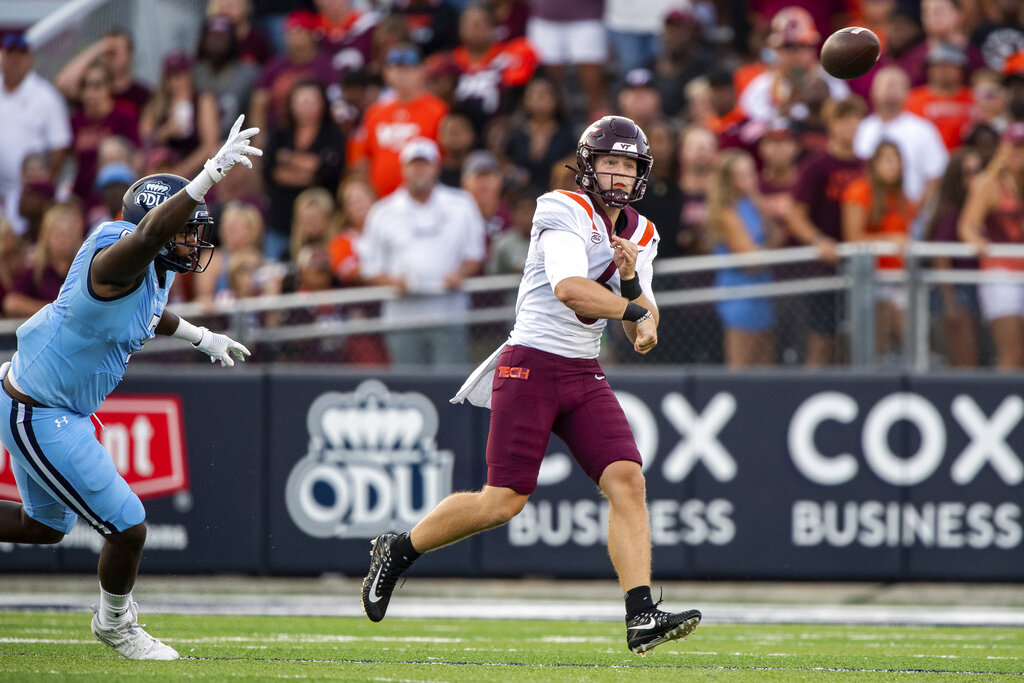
x=234 y=150
x=220 y=347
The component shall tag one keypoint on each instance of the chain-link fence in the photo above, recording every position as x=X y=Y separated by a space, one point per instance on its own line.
x=866 y=311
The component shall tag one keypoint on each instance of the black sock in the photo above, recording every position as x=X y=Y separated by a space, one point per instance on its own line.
x=403 y=551
x=638 y=600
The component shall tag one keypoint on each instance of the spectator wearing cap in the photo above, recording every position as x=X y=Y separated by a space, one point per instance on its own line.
x=635 y=37
x=944 y=100
x=490 y=75
x=347 y=34
x=180 y=118
x=482 y=179
x=408 y=112
x=639 y=99
x=572 y=35
x=816 y=218
x=424 y=240
x=302 y=61
x=825 y=15
x=780 y=91
x=541 y=134
x=112 y=181
x=1013 y=82
x=254 y=45
x=943 y=22
x=220 y=71
x=684 y=56
x=994 y=214
x=433 y=24
x=116 y=50
x=34 y=119
x=923 y=153
x=304 y=151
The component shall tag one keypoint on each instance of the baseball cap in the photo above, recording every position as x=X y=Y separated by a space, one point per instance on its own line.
x=423 y=149
x=681 y=15
x=219 y=24
x=1014 y=133
x=14 y=41
x=1013 y=66
x=778 y=128
x=176 y=61
x=793 y=26
x=639 y=78
x=946 y=53
x=480 y=161
x=404 y=55
x=302 y=18
x=114 y=172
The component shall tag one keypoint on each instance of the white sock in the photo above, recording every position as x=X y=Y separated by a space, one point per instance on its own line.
x=113 y=608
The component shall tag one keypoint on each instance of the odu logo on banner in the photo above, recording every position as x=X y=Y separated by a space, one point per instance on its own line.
x=372 y=464
x=153 y=193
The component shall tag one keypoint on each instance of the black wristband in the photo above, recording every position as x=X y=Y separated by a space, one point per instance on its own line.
x=634 y=313
x=631 y=288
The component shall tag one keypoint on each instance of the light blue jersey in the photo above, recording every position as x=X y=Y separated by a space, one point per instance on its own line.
x=73 y=352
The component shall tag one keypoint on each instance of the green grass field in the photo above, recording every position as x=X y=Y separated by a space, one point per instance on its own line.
x=55 y=646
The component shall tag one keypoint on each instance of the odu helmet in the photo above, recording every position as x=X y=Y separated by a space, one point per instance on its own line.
x=152 y=191
x=618 y=136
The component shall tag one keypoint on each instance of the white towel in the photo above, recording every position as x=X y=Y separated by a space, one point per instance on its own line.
x=477 y=388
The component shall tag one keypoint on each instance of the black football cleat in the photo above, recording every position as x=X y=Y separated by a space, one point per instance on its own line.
x=380 y=582
x=654 y=627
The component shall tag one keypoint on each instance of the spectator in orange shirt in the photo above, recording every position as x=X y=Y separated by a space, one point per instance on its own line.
x=875 y=208
x=491 y=75
x=944 y=100
x=407 y=112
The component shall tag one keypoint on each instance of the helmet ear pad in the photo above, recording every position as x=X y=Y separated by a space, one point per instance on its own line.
x=618 y=136
x=146 y=194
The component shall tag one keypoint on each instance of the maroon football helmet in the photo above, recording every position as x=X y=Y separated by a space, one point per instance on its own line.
x=618 y=136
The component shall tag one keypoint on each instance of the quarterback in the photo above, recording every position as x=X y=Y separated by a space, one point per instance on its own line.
x=590 y=261
x=72 y=354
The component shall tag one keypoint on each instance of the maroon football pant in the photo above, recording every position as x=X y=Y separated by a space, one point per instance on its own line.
x=536 y=393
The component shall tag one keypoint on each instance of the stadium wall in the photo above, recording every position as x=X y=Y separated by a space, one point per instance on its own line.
x=771 y=476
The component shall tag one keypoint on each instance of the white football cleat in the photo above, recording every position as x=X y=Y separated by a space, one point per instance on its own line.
x=129 y=639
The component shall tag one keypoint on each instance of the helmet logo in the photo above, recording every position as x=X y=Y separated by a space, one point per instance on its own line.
x=152 y=194
x=624 y=147
x=201 y=215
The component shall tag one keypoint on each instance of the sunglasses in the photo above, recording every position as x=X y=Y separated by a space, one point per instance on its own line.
x=403 y=58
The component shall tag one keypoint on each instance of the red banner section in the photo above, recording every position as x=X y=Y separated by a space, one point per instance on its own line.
x=145 y=435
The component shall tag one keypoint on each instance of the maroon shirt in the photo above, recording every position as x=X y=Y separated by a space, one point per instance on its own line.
x=131 y=101
x=87 y=135
x=46 y=289
x=279 y=75
x=820 y=187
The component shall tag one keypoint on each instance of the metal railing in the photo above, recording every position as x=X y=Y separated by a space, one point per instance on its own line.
x=854 y=280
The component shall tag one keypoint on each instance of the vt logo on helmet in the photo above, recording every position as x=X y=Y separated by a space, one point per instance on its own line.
x=617 y=136
x=148 y=193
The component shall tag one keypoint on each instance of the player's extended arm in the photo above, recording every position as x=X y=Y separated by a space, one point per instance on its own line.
x=118 y=267
x=564 y=261
x=216 y=346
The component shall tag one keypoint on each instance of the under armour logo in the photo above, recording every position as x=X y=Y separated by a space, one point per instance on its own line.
x=58 y=422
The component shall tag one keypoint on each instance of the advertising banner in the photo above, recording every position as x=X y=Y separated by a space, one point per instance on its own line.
x=768 y=475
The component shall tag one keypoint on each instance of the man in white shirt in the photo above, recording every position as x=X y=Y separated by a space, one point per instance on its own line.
x=590 y=260
x=424 y=239
x=919 y=141
x=34 y=119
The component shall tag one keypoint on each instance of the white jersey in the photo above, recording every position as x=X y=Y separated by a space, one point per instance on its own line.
x=542 y=321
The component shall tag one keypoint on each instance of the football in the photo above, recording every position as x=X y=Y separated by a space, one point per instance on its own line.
x=850 y=52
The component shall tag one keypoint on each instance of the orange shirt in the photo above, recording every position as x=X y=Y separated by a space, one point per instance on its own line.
x=949 y=113
x=344 y=259
x=387 y=126
x=895 y=221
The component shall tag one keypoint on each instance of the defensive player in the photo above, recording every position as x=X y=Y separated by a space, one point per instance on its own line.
x=72 y=354
x=590 y=260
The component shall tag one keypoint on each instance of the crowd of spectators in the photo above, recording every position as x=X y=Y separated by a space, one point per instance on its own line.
x=407 y=140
